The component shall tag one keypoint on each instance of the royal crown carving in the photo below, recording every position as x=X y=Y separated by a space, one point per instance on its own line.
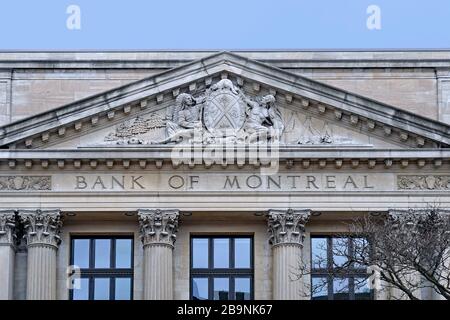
x=41 y=226
x=222 y=113
x=287 y=226
x=7 y=227
x=158 y=226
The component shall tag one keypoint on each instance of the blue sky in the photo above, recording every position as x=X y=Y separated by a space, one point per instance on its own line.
x=224 y=24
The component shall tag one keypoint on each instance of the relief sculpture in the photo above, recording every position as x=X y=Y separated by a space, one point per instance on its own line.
x=222 y=113
x=423 y=182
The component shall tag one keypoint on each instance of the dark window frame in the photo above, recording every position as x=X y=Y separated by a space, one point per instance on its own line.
x=329 y=271
x=231 y=273
x=113 y=273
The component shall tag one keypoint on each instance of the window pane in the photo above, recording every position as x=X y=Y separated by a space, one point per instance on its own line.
x=123 y=289
x=362 y=290
x=242 y=288
x=81 y=293
x=101 y=289
x=81 y=253
x=319 y=290
x=221 y=253
x=340 y=251
x=361 y=252
x=319 y=253
x=200 y=288
x=123 y=253
x=221 y=288
x=200 y=253
x=242 y=253
x=340 y=289
x=102 y=253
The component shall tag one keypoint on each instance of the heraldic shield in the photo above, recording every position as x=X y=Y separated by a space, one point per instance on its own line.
x=224 y=110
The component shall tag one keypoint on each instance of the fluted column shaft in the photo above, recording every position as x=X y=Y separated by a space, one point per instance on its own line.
x=158 y=235
x=158 y=272
x=7 y=253
x=42 y=234
x=41 y=276
x=286 y=235
x=285 y=260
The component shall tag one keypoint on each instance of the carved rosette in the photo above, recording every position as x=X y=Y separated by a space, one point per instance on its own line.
x=158 y=226
x=7 y=227
x=41 y=226
x=287 y=226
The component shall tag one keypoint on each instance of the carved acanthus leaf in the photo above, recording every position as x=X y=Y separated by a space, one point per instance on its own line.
x=41 y=226
x=7 y=227
x=158 y=226
x=287 y=226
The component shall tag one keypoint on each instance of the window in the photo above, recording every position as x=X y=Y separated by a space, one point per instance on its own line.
x=106 y=265
x=221 y=268
x=332 y=277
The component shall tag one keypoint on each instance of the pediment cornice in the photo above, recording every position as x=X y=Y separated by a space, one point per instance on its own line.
x=324 y=101
x=295 y=158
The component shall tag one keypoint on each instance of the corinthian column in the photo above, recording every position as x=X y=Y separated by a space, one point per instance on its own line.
x=286 y=235
x=7 y=237
x=158 y=234
x=42 y=229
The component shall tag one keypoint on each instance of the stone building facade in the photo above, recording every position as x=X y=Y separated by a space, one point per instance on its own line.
x=183 y=175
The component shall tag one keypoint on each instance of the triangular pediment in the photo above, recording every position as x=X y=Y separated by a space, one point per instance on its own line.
x=311 y=113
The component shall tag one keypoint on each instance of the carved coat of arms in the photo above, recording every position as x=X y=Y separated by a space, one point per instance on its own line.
x=221 y=113
x=224 y=109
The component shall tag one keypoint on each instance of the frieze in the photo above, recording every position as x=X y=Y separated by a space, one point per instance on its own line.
x=225 y=181
x=423 y=182
x=24 y=183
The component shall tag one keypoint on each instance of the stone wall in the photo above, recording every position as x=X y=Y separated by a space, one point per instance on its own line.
x=34 y=83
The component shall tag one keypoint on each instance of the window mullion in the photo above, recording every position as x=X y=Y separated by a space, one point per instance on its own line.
x=330 y=268
x=231 y=289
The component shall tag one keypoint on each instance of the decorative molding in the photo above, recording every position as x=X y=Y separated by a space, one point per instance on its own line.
x=158 y=226
x=423 y=182
x=7 y=227
x=41 y=226
x=155 y=157
x=264 y=77
x=412 y=216
x=287 y=226
x=20 y=183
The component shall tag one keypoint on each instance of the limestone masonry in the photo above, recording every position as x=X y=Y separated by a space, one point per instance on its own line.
x=249 y=154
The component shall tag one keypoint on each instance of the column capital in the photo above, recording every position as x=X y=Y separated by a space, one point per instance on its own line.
x=287 y=226
x=41 y=226
x=7 y=227
x=158 y=226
